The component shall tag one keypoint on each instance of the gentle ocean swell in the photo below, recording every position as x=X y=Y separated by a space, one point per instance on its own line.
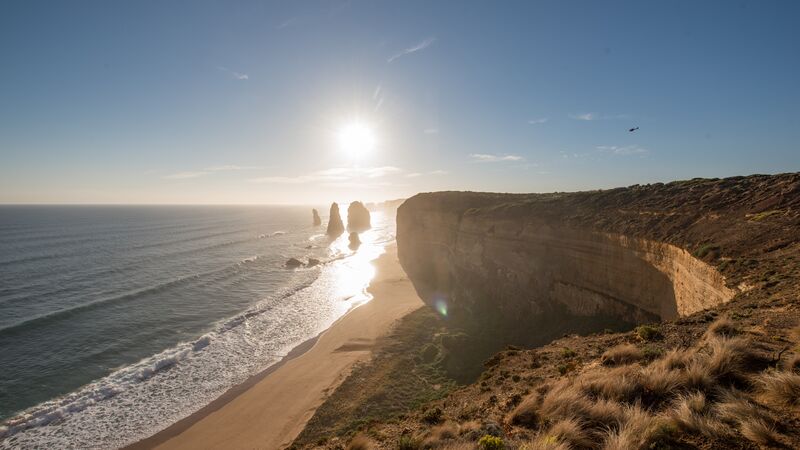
x=216 y=335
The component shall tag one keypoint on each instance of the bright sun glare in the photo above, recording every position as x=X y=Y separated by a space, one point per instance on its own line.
x=356 y=139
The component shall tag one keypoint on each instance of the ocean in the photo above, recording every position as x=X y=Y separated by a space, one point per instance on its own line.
x=117 y=321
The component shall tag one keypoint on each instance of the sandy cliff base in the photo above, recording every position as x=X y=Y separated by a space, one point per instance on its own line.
x=272 y=412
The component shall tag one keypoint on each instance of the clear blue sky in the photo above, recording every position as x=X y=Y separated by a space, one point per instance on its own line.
x=241 y=102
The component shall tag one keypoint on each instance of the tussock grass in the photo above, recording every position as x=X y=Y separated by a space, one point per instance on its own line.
x=794 y=334
x=361 y=442
x=781 y=388
x=792 y=364
x=697 y=390
x=728 y=360
x=640 y=430
x=458 y=446
x=470 y=430
x=440 y=434
x=620 y=384
x=621 y=354
x=691 y=413
x=572 y=433
x=759 y=431
x=544 y=443
x=723 y=326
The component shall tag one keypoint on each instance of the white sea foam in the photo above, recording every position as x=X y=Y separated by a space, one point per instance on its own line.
x=138 y=400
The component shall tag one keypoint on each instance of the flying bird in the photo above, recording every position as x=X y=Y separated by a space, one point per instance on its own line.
x=633 y=129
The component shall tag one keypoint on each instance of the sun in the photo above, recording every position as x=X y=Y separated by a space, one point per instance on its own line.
x=356 y=139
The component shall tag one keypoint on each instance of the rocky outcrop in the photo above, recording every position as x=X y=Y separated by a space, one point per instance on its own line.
x=316 y=221
x=335 y=225
x=293 y=263
x=358 y=218
x=355 y=241
x=632 y=255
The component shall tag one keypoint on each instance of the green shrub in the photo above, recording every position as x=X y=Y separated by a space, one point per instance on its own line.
x=567 y=352
x=408 y=443
x=706 y=249
x=432 y=416
x=488 y=442
x=648 y=332
x=429 y=353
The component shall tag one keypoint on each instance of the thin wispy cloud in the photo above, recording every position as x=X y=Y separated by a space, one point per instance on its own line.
x=185 y=175
x=538 y=121
x=589 y=116
x=231 y=167
x=413 y=175
x=207 y=171
x=336 y=174
x=234 y=74
x=433 y=172
x=377 y=97
x=438 y=172
x=623 y=151
x=287 y=23
x=489 y=158
x=415 y=48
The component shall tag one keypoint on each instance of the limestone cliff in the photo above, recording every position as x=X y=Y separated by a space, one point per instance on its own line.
x=638 y=254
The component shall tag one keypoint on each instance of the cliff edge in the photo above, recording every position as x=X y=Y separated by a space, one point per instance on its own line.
x=635 y=255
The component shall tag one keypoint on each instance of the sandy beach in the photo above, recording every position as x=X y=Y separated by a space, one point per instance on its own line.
x=270 y=410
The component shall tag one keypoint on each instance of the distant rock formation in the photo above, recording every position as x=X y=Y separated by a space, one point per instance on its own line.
x=317 y=220
x=335 y=225
x=294 y=262
x=312 y=262
x=355 y=241
x=358 y=217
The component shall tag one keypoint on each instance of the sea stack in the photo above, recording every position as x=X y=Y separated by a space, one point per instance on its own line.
x=317 y=220
x=358 y=217
x=335 y=225
x=355 y=241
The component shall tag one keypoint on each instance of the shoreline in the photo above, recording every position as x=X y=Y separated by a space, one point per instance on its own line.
x=187 y=422
x=272 y=407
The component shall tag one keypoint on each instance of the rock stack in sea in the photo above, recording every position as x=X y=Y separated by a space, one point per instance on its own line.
x=335 y=225
x=358 y=219
x=317 y=220
x=355 y=241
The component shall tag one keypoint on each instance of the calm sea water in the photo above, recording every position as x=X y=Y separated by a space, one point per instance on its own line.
x=117 y=321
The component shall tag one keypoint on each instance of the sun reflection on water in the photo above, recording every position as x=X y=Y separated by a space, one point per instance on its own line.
x=354 y=269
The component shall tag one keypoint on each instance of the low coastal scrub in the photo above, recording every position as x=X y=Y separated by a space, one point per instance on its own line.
x=721 y=390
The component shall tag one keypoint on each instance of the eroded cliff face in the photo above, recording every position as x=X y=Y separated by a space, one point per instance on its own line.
x=525 y=266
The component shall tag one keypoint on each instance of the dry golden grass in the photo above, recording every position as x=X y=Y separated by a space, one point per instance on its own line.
x=621 y=354
x=621 y=384
x=361 y=442
x=526 y=413
x=759 y=431
x=444 y=432
x=572 y=433
x=723 y=326
x=459 y=446
x=792 y=363
x=728 y=359
x=639 y=430
x=794 y=334
x=470 y=429
x=675 y=359
x=781 y=388
x=544 y=443
x=703 y=390
x=691 y=413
